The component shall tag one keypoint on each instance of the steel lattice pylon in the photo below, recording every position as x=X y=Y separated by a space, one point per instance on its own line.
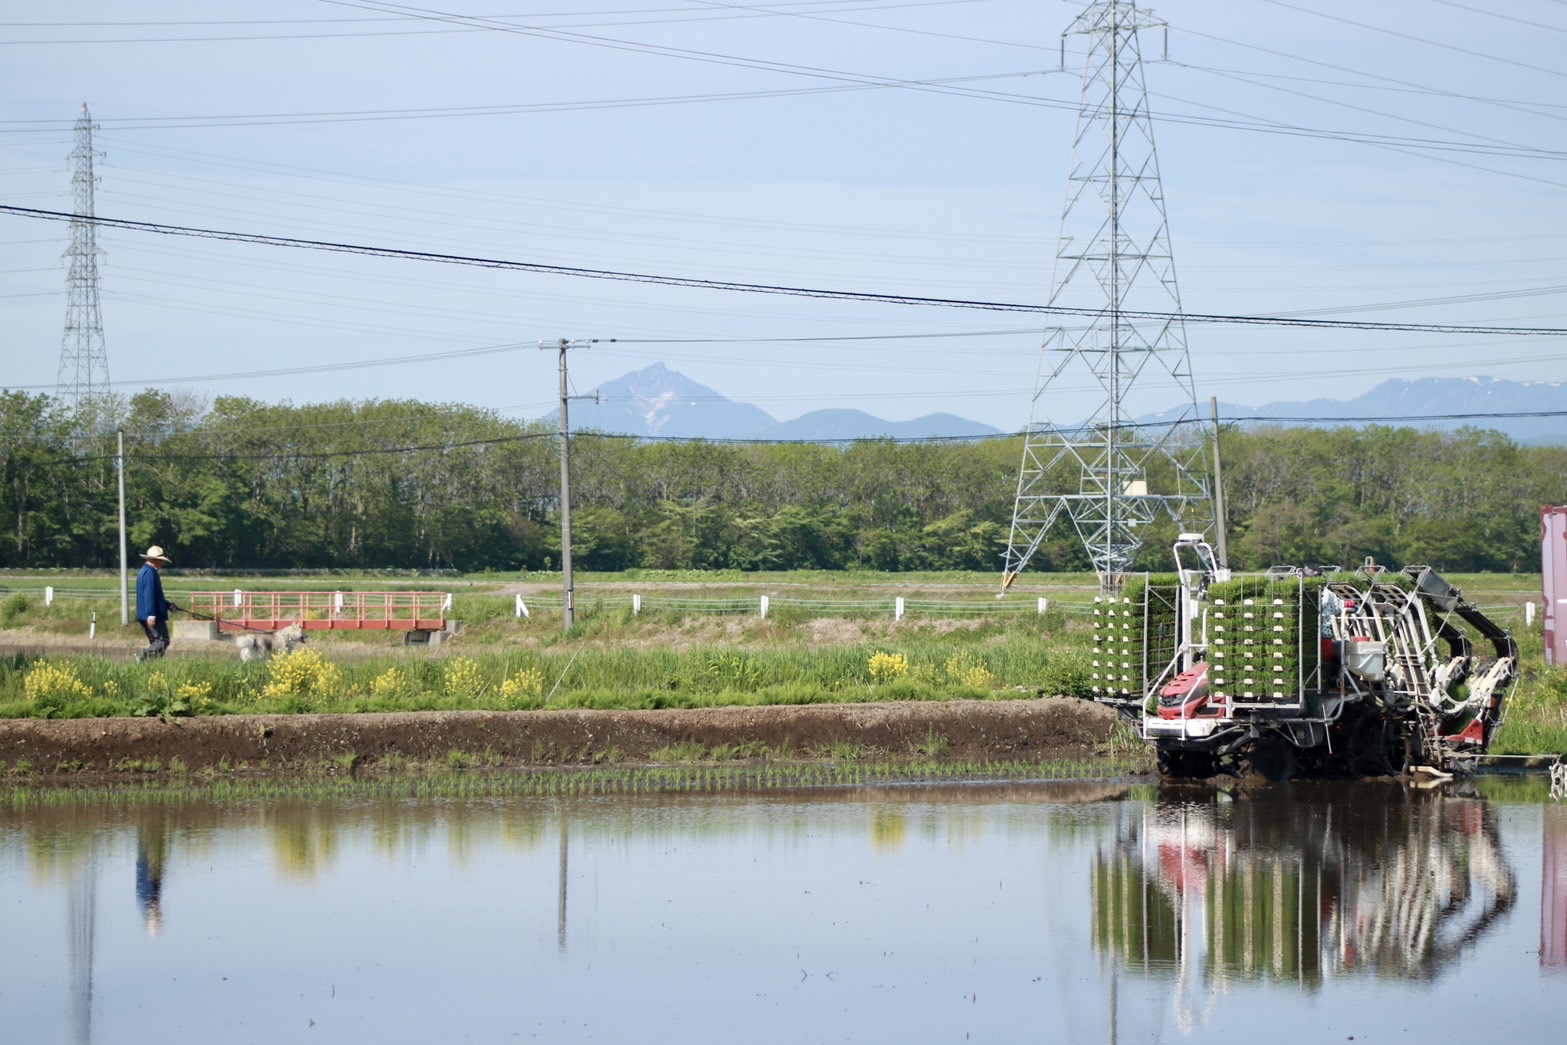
x=1109 y=474
x=84 y=362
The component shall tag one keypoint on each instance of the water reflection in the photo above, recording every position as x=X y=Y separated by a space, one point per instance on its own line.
x=83 y=927
x=1298 y=886
x=914 y=913
x=1553 y=891
x=152 y=853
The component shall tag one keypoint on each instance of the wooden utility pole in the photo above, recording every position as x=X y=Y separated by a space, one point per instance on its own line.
x=119 y=462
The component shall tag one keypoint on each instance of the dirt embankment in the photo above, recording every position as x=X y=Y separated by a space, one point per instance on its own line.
x=1034 y=730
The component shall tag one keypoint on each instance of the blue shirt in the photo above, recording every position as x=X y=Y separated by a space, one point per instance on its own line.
x=149 y=594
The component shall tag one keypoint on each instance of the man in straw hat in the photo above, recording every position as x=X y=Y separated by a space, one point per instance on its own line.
x=152 y=608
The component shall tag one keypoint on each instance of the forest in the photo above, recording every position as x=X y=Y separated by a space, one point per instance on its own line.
x=238 y=484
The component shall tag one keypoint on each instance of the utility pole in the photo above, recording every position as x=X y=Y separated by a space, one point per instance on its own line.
x=1218 y=488
x=119 y=463
x=568 y=591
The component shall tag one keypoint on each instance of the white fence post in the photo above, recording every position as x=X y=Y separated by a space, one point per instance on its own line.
x=49 y=596
x=1044 y=604
x=239 y=597
x=764 y=607
x=636 y=605
x=446 y=604
x=1528 y=614
x=522 y=608
x=337 y=602
x=897 y=609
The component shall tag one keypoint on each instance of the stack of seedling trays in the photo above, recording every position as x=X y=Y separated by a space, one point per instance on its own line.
x=1263 y=638
x=1136 y=635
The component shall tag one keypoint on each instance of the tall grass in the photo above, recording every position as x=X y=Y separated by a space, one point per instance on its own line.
x=1536 y=719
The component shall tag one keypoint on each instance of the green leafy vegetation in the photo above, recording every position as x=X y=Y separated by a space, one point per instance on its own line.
x=1536 y=719
x=240 y=484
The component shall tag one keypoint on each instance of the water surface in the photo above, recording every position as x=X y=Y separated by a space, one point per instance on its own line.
x=987 y=913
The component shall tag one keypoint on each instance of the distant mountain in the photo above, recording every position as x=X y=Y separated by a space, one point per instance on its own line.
x=857 y=424
x=657 y=401
x=1418 y=404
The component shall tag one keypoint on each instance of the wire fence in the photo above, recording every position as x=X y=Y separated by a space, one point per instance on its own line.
x=764 y=606
x=1525 y=614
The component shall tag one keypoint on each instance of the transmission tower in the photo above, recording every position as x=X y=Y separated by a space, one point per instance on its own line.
x=1108 y=474
x=84 y=362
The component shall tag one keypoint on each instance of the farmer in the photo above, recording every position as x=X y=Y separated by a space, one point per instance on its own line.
x=152 y=608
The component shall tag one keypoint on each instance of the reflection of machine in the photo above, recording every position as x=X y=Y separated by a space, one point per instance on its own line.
x=1312 y=670
x=1297 y=888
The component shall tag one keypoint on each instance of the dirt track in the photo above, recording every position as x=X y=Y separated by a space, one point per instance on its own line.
x=1035 y=730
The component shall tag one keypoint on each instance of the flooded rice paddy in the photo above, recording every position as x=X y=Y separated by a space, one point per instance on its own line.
x=992 y=913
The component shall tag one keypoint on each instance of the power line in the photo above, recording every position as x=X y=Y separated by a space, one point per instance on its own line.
x=161 y=123
x=1401 y=419
x=732 y=286
x=1489 y=415
x=1403 y=87
x=1418 y=39
x=1523 y=107
x=361 y=364
x=463 y=353
x=1506 y=148
x=688 y=16
x=1498 y=14
x=638 y=47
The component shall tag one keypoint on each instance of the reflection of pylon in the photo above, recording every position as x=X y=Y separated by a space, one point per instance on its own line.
x=1109 y=474
x=84 y=363
x=82 y=916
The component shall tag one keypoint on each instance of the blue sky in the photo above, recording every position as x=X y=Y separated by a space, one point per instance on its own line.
x=1320 y=156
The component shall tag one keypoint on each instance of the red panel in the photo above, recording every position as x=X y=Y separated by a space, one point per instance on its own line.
x=1553 y=568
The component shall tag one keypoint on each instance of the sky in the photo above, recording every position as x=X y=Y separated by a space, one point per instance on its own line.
x=1398 y=162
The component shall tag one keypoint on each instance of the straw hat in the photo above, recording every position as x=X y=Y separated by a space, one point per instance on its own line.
x=155 y=554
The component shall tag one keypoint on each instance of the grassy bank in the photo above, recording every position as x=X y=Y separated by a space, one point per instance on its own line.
x=698 y=641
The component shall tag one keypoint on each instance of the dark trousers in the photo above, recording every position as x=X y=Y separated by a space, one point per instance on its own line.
x=157 y=639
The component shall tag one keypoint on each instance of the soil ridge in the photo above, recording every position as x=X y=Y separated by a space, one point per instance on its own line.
x=1054 y=728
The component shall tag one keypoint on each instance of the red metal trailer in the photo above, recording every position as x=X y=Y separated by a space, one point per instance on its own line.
x=324 y=610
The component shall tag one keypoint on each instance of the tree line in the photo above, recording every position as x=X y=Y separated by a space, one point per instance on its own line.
x=237 y=483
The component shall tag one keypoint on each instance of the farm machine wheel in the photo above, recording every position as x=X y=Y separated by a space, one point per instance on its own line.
x=1272 y=759
x=1189 y=765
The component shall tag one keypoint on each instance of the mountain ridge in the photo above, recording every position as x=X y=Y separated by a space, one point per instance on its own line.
x=657 y=402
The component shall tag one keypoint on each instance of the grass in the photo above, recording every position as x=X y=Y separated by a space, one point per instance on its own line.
x=669 y=656
x=1536 y=719
x=777 y=664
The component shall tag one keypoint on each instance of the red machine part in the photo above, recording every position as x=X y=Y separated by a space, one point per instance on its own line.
x=1185 y=695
